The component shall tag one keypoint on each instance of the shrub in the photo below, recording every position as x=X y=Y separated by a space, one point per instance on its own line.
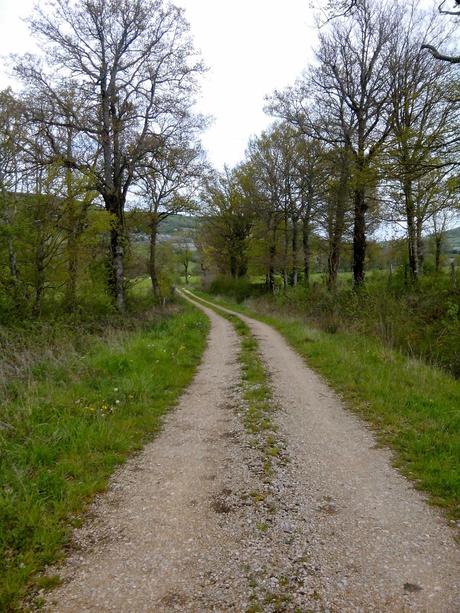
x=238 y=289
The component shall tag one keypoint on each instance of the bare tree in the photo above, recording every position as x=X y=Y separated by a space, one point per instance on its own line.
x=423 y=127
x=134 y=65
x=353 y=74
x=344 y=100
x=168 y=183
x=452 y=8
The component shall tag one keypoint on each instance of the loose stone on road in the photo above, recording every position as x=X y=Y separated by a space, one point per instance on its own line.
x=193 y=524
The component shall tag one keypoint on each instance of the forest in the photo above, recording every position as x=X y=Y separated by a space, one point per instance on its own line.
x=341 y=208
x=339 y=227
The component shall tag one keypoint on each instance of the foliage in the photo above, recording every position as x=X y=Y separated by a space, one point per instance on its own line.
x=238 y=289
x=420 y=319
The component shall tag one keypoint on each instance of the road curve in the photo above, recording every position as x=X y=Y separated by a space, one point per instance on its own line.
x=191 y=523
x=376 y=543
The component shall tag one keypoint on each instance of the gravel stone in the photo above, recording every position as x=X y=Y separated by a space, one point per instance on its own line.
x=334 y=528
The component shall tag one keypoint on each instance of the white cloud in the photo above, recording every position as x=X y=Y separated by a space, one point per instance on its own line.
x=250 y=46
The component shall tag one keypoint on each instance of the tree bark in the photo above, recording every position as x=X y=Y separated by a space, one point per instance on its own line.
x=72 y=272
x=306 y=249
x=420 y=247
x=337 y=224
x=359 y=236
x=286 y=251
x=411 y=229
x=114 y=204
x=39 y=285
x=152 y=256
x=271 y=257
x=294 y=244
x=438 y=250
x=12 y=261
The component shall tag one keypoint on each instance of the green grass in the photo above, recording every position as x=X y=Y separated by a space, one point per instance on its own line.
x=413 y=407
x=63 y=433
x=257 y=395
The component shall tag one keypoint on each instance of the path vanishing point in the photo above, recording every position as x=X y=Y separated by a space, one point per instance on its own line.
x=193 y=524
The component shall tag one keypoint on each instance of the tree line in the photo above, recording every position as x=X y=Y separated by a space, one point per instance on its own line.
x=366 y=138
x=102 y=124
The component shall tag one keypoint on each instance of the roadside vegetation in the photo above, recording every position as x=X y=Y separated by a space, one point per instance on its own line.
x=412 y=407
x=419 y=319
x=338 y=225
x=74 y=414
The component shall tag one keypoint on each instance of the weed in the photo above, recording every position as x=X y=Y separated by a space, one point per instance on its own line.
x=413 y=407
x=71 y=423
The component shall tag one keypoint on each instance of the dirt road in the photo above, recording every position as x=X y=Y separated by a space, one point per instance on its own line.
x=191 y=524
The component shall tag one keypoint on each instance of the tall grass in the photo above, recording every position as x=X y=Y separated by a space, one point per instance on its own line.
x=412 y=406
x=420 y=319
x=71 y=420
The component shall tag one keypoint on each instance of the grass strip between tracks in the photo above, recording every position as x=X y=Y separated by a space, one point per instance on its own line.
x=413 y=408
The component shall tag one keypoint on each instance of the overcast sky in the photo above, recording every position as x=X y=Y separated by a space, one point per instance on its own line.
x=250 y=46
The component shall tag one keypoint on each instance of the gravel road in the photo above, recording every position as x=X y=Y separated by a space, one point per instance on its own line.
x=193 y=524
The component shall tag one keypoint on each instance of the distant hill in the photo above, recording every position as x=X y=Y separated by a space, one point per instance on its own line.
x=453 y=239
x=175 y=224
x=171 y=227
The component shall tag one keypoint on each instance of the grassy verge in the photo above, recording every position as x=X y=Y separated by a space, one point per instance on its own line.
x=63 y=433
x=257 y=395
x=257 y=414
x=414 y=408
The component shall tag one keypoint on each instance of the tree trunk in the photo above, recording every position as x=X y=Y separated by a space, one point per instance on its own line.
x=286 y=252
x=72 y=272
x=306 y=249
x=411 y=229
x=242 y=264
x=271 y=257
x=333 y=262
x=70 y=298
x=337 y=224
x=117 y=254
x=12 y=261
x=153 y=253
x=438 y=250
x=114 y=204
x=39 y=285
x=233 y=266
x=294 y=243
x=359 y=236
x=420 y=247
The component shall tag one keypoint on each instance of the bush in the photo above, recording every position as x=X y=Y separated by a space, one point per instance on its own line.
x=421 y=319
x=237 y=289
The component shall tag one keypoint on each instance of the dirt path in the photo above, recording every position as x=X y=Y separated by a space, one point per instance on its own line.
x=192 y=524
